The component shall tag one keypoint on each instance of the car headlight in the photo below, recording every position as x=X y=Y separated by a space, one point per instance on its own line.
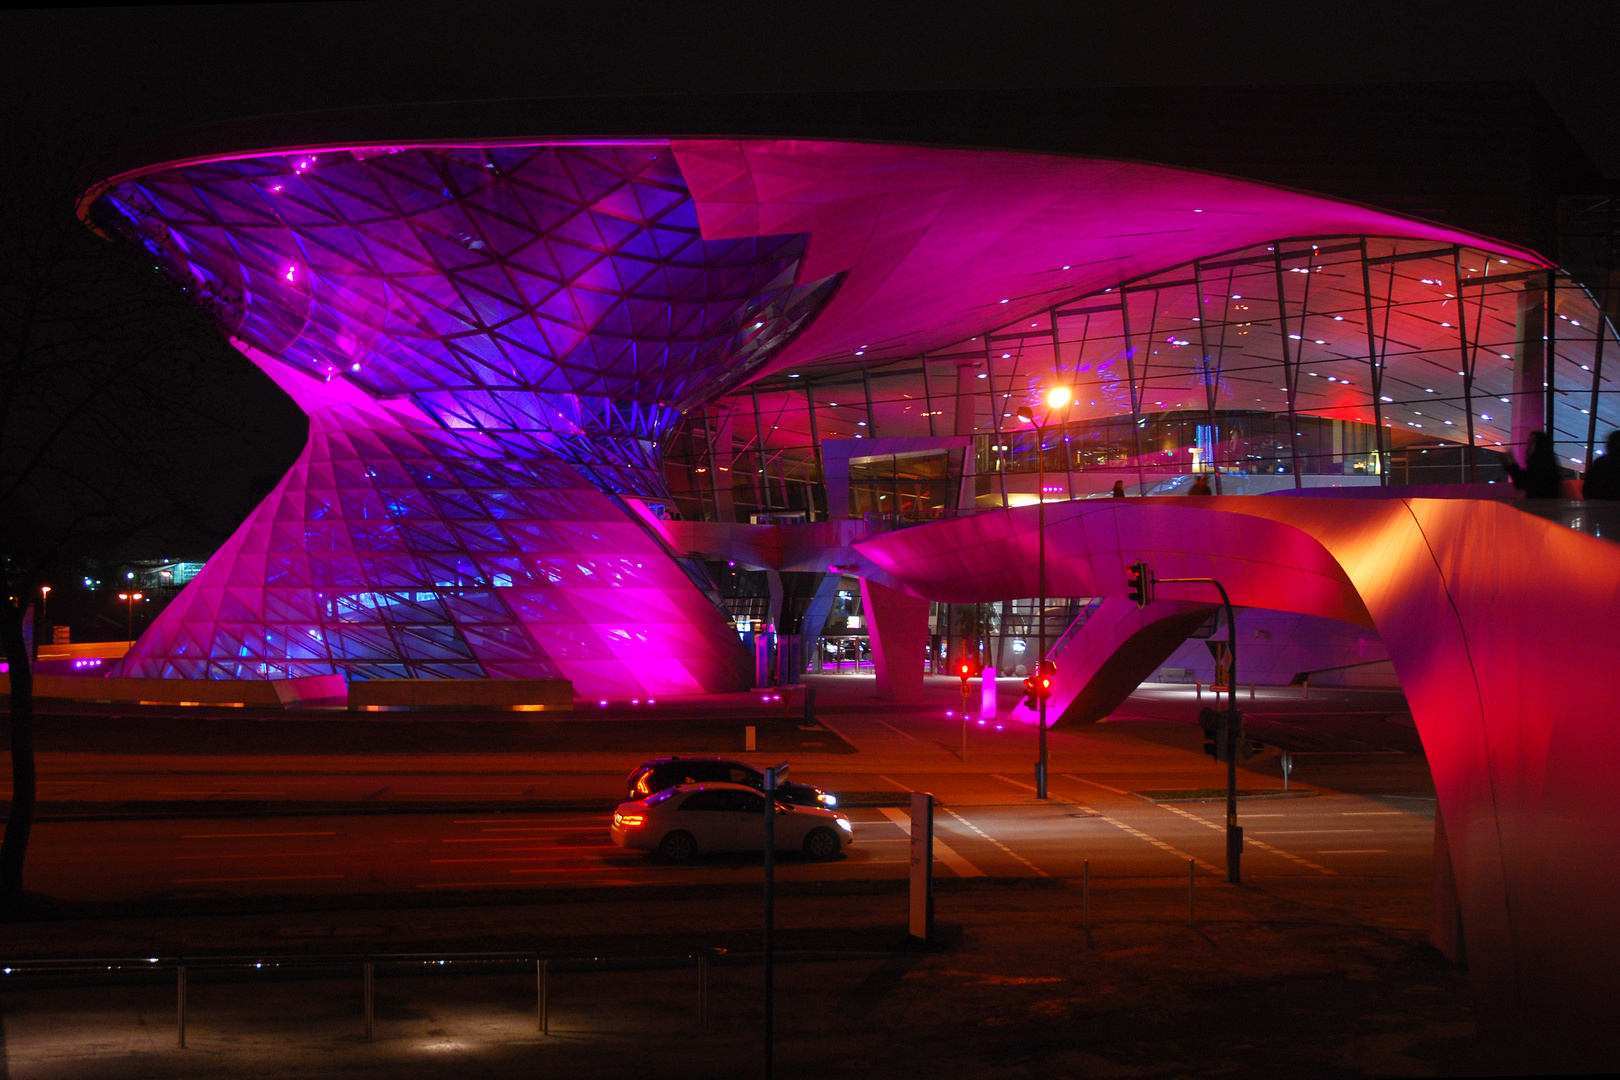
x=843 y=823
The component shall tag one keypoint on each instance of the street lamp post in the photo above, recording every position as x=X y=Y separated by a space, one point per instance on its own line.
x=130 y=597
x=1056 y=398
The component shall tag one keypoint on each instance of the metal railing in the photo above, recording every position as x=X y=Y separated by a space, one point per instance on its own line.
x=145 y=970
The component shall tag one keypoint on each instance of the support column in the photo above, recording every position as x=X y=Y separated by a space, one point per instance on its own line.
x=966 y=376
x=720 y=465
x=898 y=625
x=1529 y=369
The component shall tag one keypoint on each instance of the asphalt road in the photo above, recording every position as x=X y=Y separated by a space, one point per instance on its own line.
x=228 y=819
x=1120 y=834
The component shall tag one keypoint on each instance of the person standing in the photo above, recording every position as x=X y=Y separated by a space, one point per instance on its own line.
x=1603 y=475
x=1119 y=489
x=1540 y=476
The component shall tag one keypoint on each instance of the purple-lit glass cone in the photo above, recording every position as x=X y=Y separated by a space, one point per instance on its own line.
x=490 y=344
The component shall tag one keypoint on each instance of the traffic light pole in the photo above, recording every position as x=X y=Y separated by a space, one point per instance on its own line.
x=1234 y=834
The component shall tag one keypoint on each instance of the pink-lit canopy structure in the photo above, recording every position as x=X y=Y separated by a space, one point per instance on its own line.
x=1473 y=599
x=472 y=324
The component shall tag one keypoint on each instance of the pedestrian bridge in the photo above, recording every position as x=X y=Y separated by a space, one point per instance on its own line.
x=1501 y=625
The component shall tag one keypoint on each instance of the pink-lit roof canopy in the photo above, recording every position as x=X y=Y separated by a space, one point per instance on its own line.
x=924 y=250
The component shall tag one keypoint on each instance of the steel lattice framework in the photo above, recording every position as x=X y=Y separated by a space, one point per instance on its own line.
x=491 y=344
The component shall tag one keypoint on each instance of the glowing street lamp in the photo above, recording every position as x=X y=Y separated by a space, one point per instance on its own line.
x=1056 y=398
x=130 y=597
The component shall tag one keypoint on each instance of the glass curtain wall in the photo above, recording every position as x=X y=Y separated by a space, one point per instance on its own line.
x=1338 y=360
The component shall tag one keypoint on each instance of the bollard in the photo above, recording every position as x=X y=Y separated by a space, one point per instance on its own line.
x=180 y=988
x=541 y=970
x=1251 y=691
x=1287 y=767
x=1085 y=895
x=368 y=973
x=1305 y=689
x=703 y=990
x=1192 y=871
x=750 y=739
x=1198 y=691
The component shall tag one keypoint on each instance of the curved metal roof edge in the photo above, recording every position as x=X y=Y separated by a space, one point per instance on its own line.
x=448 y=123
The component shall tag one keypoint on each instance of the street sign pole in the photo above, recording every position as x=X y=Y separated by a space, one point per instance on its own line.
x=1234 y=834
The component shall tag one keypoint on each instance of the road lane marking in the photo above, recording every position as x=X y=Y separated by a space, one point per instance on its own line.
x=1356 y=851
x=896 y=783
x=494 y=839
x=1374 y=813
x=942 y=851
x=229 y=791
x=508 y=821
x=1093 y=783
x=261 y=855
x=897 y=731
x=1014 y=783
x=515 y=858
x=1156 y=842
x=1039 y=872
x=286 y=877
x=1310 y=832
x=1220 y=826
x=238 y=835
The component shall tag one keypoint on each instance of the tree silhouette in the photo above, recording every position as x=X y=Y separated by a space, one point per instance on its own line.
x=121 y=418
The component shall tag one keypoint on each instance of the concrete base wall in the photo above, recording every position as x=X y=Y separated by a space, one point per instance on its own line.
x=518 y=695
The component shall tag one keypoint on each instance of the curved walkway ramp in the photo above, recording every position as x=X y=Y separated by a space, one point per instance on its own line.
x=1502 y=628
x=1102 y=660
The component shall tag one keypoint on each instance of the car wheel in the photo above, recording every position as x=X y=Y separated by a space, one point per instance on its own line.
x=821 y=844
x=678 y=847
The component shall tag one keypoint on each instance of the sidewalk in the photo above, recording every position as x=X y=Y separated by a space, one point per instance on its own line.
x=1311 y=978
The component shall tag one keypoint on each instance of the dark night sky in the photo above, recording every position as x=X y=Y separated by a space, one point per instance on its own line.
x=97 y=78
x=146 y=69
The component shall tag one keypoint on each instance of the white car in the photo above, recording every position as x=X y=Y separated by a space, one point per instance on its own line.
x=680 y=822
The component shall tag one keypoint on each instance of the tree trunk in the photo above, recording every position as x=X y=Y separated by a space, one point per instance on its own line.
x=20 y=822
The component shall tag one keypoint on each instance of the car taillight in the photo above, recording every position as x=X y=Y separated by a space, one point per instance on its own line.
x=628 y=821
x=641 y=785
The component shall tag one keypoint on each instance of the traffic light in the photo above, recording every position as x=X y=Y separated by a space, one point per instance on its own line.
x=967 y=666
x=1038 y=686
x=1216 y=734
x=1209 y=722
x=1139 y=580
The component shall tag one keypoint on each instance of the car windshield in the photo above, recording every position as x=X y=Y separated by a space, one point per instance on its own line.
x=667 y=793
